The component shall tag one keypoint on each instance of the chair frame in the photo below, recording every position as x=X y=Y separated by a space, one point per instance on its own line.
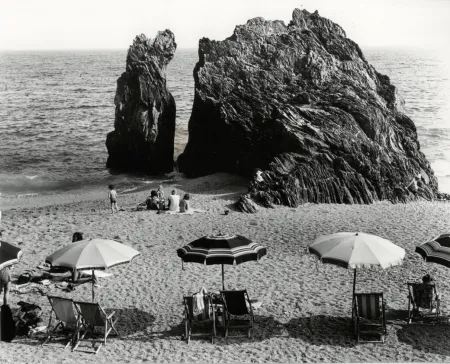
x=228 y=315
x=61 y=323
x=189 y=319
x=381 y=317
x=90 y=325
x=415 y=308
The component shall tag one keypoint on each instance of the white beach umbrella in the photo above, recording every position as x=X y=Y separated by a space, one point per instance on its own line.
x=92 y=254
x=357 y=250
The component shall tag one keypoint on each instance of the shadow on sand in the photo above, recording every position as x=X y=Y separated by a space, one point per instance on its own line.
x=323 y=330
x=426 y=338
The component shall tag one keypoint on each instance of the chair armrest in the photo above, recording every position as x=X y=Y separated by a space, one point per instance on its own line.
x=111 y=315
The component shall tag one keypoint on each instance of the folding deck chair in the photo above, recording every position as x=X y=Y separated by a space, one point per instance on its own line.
x=65 y=317
x=369 y=310
x=204 y=315
x=92 y=315
x=237 y=303
x=423 y=302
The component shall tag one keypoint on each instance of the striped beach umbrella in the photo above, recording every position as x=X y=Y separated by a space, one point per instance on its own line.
x=436 y=250
x=221 y=249
x=9 y=254
x=357 y=250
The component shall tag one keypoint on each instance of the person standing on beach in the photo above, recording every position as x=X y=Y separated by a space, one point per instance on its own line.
x=113 y=198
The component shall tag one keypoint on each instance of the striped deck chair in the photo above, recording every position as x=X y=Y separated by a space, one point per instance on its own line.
x=66 y=320
x=423 y=302
x=370 y=316
x=192 y=318
x=92 y=315
x=237 y=303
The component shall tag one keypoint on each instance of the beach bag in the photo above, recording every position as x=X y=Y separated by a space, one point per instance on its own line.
x=8 y=327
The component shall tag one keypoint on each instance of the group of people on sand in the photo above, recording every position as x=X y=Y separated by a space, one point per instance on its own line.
x=157 y=201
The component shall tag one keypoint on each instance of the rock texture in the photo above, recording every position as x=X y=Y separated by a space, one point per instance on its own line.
x=144 y=127
x=302 y=103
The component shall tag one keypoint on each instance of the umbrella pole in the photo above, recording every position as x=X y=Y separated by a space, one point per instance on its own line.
x=353 y=298
x=223 y=279
x=93 y=294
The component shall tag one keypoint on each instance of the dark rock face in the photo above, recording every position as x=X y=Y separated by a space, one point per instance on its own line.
x=144 y=127
x=301 y=103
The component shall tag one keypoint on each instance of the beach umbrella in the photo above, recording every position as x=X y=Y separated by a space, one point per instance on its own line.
x=221 y=249
x=9 y=254
x=436 y=250
x=357 y=250
x=92 y=254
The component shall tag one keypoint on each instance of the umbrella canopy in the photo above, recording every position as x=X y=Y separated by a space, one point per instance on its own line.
x=221 y=249
x=436 y=250
x=9 y=254
x=92 y=254
x=357 y=250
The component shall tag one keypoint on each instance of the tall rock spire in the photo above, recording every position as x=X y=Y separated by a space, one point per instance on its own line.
x=144 y=127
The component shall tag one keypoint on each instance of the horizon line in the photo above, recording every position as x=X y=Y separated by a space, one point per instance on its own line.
x=401 y=46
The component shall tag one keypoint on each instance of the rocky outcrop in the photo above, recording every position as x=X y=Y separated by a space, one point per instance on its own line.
x=301 y=103
x=144 y=127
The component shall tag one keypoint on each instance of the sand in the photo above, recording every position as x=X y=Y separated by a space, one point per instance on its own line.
x=305 y=316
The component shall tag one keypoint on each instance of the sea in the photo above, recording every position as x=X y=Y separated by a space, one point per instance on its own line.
x=56 y=108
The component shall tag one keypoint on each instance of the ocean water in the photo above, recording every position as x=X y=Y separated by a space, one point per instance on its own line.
x=56 y=108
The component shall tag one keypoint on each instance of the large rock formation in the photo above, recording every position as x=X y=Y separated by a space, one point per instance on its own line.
x=144 y=127
x=302 y=103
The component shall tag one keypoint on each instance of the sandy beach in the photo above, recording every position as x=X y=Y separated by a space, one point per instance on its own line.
x=305 y=315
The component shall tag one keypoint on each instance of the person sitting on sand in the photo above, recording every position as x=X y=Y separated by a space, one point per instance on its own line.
x=152 y=202
x=162 y=202
x=174 y=201
x=160 y=193
x=184 y=203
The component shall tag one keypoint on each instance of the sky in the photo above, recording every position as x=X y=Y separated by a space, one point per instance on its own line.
x=112 y=24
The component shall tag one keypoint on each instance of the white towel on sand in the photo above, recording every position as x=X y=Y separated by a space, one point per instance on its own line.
x=98 y=273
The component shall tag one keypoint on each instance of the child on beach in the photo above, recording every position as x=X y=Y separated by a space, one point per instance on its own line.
x=112 y=195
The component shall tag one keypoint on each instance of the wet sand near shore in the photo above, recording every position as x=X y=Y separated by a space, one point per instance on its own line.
x=305 y=315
